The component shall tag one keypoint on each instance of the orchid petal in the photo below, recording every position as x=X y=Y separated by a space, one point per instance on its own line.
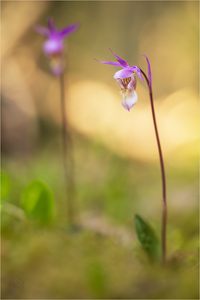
x=132 y=84
x=68 y=30
x=53 y=46
x=56 y=66
x=122 y=62
x=137 y=71
x=149 y=70
x=112 y=63
x=42 y=30
x=129 y=101
x=123 y=73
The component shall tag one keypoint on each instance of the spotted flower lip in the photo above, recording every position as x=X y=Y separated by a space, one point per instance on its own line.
x=54 y=43
x=126 y=78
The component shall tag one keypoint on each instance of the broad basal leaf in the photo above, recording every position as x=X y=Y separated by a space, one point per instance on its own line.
x=147 y=237
x=38 y=202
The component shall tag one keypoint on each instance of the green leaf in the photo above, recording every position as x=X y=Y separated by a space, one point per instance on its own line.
x=147 y=238
x=5 y=186
x=38 y=202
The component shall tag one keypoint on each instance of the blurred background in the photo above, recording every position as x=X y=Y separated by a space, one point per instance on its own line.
x=116 y=159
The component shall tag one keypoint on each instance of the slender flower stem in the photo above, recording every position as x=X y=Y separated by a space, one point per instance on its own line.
x=68 y=162
x=164 y=194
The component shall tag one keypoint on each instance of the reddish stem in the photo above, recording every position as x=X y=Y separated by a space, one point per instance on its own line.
x=68 y=162
x=162 y=167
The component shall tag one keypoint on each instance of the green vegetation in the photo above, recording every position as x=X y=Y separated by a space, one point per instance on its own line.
x=52 y=262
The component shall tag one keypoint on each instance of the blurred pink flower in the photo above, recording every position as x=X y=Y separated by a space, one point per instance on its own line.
x=54 y=45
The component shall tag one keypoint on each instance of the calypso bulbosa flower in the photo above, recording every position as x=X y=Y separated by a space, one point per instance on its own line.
x=53 y=46
x=127 y=80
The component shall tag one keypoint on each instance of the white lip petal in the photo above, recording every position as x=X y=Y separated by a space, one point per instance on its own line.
x=129 y=100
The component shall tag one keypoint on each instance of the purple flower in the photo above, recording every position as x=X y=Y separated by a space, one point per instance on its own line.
x=54 y=44
x=149 y=71
x=126 y=78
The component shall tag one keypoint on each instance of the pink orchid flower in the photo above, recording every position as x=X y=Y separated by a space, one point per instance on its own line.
x=127 y=80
